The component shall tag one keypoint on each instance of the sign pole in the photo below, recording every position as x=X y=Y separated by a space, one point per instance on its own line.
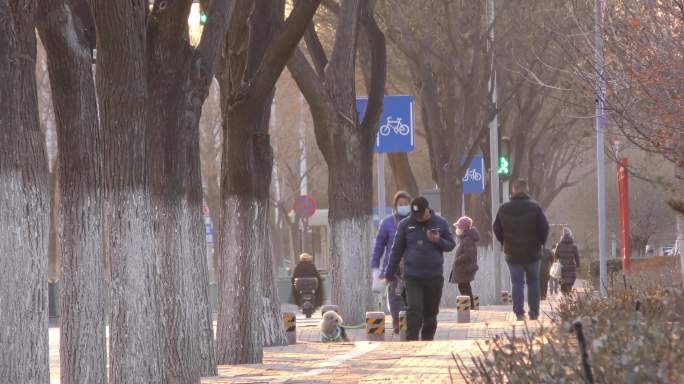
x=494 y=164
x=382 y=205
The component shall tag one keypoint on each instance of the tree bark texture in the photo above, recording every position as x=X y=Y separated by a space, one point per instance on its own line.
x=175 y=172
x=135 y=328
x=24 y=206
x=347 y=146
x=402 y=173
x=54 y=246
x=256 y=51
x=83 y=355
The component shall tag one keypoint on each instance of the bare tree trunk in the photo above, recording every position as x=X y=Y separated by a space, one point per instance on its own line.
x=255 y=53
x=82 y=332
x=403 y=175
x=135 y=328
x=54 y=246
x=24 y=206
x=347 y=146
x=350 y=183
x=180 y=238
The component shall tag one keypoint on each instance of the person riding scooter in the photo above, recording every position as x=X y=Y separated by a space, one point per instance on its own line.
x=306 y=269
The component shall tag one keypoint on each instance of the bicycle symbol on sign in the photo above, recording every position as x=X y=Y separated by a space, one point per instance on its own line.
x=396 y=126
x=472 y=174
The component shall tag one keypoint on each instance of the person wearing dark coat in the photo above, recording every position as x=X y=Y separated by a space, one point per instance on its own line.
x=568 y=255
x=465 y=261
x=420 y=242
x=307 y=268
x=545 y=272
x=522 y=228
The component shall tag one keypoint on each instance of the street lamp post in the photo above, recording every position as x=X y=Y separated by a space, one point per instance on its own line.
x=600 y=159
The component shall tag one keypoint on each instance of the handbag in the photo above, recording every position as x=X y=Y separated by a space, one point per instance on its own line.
x=556 y=271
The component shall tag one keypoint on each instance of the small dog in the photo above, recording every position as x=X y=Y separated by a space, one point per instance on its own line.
x=331 y=328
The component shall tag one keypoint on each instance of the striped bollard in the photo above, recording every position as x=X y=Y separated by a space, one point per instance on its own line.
x=290 y=324
x=330 y=307
x=463 y=309
x=403 y=325
x=506 y=297
x=475 y=305
x=375 y=326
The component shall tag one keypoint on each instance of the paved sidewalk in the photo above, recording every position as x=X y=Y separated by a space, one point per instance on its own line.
x=392 y=361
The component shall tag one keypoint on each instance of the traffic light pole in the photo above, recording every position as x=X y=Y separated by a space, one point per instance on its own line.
x=494 y=163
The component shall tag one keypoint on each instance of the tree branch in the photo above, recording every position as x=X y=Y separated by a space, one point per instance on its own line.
x=281 y=48
x=378 y=77
x=315 y=48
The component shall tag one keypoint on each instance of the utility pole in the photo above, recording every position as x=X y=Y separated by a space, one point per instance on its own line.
x=600 y=157
x=494 y=156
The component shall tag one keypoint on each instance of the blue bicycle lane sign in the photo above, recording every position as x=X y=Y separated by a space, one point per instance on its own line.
x=396 y=131
x=474 y=181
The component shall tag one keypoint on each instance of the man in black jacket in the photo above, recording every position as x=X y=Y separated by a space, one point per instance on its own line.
x=421 y=240
x=522 y=228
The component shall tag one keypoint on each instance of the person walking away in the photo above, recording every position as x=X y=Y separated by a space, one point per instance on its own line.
x=522 y=228
x=306 y=268
x=420 y=243
x=465 y=261
x=381 y=254
x=545 y=272
x=568 y=255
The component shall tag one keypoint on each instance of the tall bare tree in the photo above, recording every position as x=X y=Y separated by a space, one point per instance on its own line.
x=82 y=332
x=147 y=67
x=256 y=51
x=346 y=144
x=451 y=73
x=24 y=206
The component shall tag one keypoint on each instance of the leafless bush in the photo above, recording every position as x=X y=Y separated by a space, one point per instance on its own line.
x=633 y=336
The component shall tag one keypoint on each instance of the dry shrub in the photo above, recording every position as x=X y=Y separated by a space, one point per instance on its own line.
x=636 y=335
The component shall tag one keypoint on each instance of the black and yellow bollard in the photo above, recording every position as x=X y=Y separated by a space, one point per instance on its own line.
x=375 y=326
x=475 y=305
x=330 y=307
x=506 y=297
x=403 y=325
x=290 y=324
x=463 y=309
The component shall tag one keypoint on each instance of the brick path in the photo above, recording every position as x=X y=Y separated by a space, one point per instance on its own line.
x=392 y=361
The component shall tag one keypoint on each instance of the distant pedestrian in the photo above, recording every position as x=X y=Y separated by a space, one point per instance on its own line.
x=545 y=272
x=420 y=242
x=522 y=228
x=465 y=261
x=381 y=254
x=568 y=255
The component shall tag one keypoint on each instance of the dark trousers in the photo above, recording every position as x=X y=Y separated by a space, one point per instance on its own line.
x=544 y=285
x=466 y=290
x=522 y=274
x=395 y=302
x=422 y=296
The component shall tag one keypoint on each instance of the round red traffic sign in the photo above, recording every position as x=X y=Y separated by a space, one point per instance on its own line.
x=304 y=206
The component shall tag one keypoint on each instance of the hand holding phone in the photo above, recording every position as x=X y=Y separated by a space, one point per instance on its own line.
x=433 y=235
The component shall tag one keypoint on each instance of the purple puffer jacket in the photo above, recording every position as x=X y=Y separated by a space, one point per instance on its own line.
x=384 y=241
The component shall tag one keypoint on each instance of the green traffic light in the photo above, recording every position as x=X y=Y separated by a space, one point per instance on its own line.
x=203 y=18
x=504 y=166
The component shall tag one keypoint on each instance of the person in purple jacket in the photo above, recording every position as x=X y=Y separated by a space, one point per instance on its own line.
x=382 y=249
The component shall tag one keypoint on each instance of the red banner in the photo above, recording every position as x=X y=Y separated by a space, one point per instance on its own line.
x=623 y=190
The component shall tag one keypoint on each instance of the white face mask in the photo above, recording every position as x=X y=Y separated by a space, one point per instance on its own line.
x=404 y=210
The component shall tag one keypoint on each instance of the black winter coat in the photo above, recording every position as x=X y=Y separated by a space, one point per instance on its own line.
x=522 y=228
x=568 y=255
x=465 y=262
